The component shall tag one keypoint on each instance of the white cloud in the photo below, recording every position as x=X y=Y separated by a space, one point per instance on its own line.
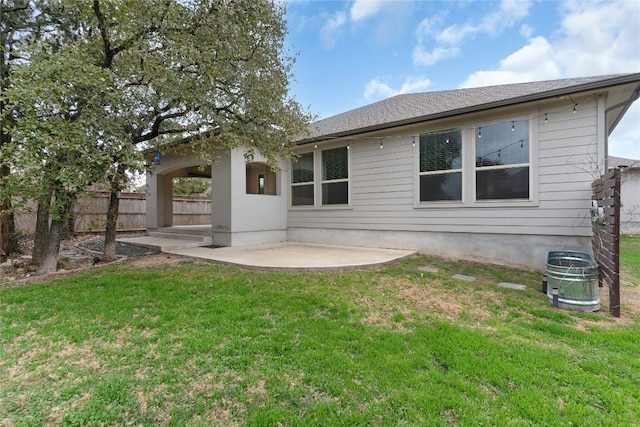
x=331 y=28
x=376 y=90
x=454 y=34
x=532 y=62
x=363 y=9
x=428 y=27
x=509 y=13
x=446 y=42
x=387 y=27
x=421 y=56
x=599 y=38
x=623 y=142
x=526 y=31
x=415 y=84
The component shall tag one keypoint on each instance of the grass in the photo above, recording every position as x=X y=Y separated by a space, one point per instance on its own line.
x=199 y=344
x=630 y=259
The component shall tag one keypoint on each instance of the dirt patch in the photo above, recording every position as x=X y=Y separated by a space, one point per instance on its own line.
x=258 y=391
x=402 y=298
x=78 y=255
x=629 y=307
x=157 y=260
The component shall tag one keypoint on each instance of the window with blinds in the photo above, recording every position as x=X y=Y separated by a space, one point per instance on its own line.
x=502 y=159
x=302 y=182
x=441 y=165
x=335 y=176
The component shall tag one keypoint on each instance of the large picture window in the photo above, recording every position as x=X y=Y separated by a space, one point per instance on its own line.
x=441 y=165
x=502 y=159
x=302 y=184
x=335 y=176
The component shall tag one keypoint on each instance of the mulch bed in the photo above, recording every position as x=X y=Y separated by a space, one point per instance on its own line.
x=96 y=247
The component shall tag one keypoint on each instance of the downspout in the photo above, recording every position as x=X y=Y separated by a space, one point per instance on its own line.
x=626 y=104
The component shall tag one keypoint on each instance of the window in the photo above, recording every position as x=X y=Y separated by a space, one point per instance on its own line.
x=302 y=187
x=441 y=165
x=335 y=176
x=502 y=160
x=260 y=179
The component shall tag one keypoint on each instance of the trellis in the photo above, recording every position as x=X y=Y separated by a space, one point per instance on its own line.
x=605 y=220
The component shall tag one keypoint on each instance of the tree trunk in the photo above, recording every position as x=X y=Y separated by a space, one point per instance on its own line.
x=69 y=222
x=5 y=221
x=42 y=228
x=13 y=235
x=112 y=215
x=49 y=261
x=110 y=231
x=4 y=231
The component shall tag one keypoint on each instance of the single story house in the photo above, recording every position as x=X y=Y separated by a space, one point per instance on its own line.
x=499 y=174
x=629 y=193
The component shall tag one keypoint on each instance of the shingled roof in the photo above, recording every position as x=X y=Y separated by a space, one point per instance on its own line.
x=616 y=162
x=417 y=107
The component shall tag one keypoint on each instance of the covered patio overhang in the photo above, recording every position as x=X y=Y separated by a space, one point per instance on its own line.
x=249 y=200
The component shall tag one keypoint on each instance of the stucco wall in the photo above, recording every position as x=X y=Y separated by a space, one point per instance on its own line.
x=630 y=193
x=240 y=218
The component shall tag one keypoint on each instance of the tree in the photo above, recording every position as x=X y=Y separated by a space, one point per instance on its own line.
x=191 y=186
x=16 y=24
x=61 y=142
x=214 y=67
x=212 y=71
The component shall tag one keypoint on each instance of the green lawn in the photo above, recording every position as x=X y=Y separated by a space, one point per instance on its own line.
x=630 y=259
x=200 y=344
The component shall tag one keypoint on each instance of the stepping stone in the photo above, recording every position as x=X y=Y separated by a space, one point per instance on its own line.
x=428 y=269
x=463 y=277
x=73 y=256
x=512 y=286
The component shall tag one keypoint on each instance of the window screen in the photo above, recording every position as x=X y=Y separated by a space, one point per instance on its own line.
x=502 y=160
x=302 y=185
x=335 y=175
x=302 y=168
x=335 y=164
x=441 y=165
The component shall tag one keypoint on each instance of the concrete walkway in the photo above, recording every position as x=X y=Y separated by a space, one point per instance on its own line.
x=296 y=256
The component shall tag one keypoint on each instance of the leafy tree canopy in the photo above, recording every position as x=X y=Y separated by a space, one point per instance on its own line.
x=109 y=78
x=191 y=186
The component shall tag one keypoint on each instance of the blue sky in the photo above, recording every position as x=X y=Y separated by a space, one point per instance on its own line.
x=354 y=52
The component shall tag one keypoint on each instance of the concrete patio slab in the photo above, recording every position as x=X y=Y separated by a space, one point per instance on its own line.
x=296 y=256
x=165 y=241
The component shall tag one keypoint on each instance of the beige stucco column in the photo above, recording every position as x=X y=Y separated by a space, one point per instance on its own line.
x=240 y=218
x=221 y=197
x=159 y=201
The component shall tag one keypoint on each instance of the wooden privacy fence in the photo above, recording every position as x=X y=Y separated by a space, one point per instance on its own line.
x=605 y=220
x=91 y=213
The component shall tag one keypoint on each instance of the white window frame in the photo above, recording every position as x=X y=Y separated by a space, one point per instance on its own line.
x=469 y=200
x=305 y=183
x=532 y=165
x=318 y=181
x=335 y=181
x=460 y=170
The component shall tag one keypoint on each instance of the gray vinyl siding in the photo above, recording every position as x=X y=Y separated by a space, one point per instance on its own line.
x=384 y=185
